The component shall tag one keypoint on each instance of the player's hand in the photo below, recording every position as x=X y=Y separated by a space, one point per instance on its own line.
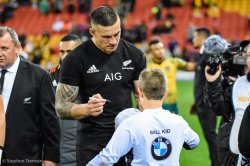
x=231 y=78
x=48 y=163
x=95 y=105
x=212 y=78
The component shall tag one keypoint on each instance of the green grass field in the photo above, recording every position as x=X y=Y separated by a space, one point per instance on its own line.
x=198 y=156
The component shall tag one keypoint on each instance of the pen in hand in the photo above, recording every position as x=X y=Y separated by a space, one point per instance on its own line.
x=106 y=100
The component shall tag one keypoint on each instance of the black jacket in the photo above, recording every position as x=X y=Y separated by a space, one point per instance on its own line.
x=32 y=127
x=244 y=134
x=218 y=97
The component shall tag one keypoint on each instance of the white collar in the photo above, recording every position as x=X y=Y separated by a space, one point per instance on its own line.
x=14 y=67
x=202 y=49
x=153 y=110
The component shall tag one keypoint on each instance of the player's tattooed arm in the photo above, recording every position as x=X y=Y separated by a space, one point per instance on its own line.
x=65 y=108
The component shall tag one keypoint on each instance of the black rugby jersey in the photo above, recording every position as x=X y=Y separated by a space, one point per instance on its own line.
x=111 y=75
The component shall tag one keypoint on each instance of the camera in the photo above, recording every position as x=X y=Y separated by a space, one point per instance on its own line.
x=231 y=60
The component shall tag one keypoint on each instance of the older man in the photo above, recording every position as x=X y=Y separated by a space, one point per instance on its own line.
x=32 y=127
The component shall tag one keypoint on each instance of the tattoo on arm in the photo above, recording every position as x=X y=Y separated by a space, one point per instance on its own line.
x=65 y=95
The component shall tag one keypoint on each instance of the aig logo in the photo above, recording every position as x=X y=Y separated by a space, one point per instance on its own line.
x=113 y=76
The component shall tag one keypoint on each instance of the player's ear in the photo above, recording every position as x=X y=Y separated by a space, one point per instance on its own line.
x=19 y=49
x=166 y=93
x=92 y=31
x=140 y=93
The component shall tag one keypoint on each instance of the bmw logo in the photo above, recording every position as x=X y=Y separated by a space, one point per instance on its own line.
x=161 y=148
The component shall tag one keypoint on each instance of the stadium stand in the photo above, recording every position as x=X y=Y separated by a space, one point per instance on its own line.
x=233 y=13
x=228 y=18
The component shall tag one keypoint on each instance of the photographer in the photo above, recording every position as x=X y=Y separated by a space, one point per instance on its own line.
x=206 y=116
x=226 y=96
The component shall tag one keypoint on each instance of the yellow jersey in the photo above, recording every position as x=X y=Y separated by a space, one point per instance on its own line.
x=170 y=67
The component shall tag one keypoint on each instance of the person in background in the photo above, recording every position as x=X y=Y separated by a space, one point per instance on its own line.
x=103 y=70
x=206 y=116
x=199 y=36
x=170 y=66
x=68 y=127
x=227 y=96
x=32 y=128
x=243 y=48
x=155 y=135
x=2 y=126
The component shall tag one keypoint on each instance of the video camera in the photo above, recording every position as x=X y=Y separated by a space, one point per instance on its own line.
x=231 y=60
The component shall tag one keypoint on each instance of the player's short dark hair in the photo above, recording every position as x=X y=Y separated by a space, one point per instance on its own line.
x=154 y=41
x=104 y=16
x=70 y=37
x=244 y=43
x=247 y=46
x=203 y=30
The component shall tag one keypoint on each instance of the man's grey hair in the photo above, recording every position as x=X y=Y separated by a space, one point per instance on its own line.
x=215 y=45
x=13 y=34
